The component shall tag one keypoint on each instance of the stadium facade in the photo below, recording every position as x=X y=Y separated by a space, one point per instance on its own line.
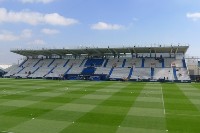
x=160 y=63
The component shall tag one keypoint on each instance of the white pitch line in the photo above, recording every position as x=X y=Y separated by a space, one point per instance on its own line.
x=163 y=102
x=183 y=114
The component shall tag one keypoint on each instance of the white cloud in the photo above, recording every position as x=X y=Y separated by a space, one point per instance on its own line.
x=50 y=31
x=37 y=1
x=56 y=19
x=9 y=36
x=194 y=16
x=34 y=18
x=106 y=26
x=37 y=42
x=27 y=33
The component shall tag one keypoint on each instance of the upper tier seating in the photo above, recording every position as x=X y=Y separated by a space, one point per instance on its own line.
x=43 y=63
x=141 y=73
x=30 y=62
x=75 y=62
x=59 y=62
x=133 y=62
x=115 y=62
x=94 y=62
x=169 y=62
x=151 y=62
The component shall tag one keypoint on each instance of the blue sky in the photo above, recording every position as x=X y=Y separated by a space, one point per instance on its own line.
x=97 y=23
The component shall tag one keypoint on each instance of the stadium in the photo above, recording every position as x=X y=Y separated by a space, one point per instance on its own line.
x=127 y=63
x=99 y=66
x=111 y=90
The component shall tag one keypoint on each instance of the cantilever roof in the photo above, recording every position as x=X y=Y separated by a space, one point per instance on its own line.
x=102 y=51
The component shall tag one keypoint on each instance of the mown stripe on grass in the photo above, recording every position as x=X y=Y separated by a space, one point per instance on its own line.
x=6 y=122
x=175 y=99
x=146 y=115
x=177 y=104
x=192 y=94
x=33 y=110
x=40 y=126
x=101 y=119
x=196 y=85
x=64 y=113
x=68 y=95
x=60 y=91
x=76 y=108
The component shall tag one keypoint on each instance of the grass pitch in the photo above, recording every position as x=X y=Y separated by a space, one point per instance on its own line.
x=46 y=106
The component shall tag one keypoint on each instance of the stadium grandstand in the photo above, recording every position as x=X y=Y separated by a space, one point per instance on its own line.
x=2 y=72
x=162 y=63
